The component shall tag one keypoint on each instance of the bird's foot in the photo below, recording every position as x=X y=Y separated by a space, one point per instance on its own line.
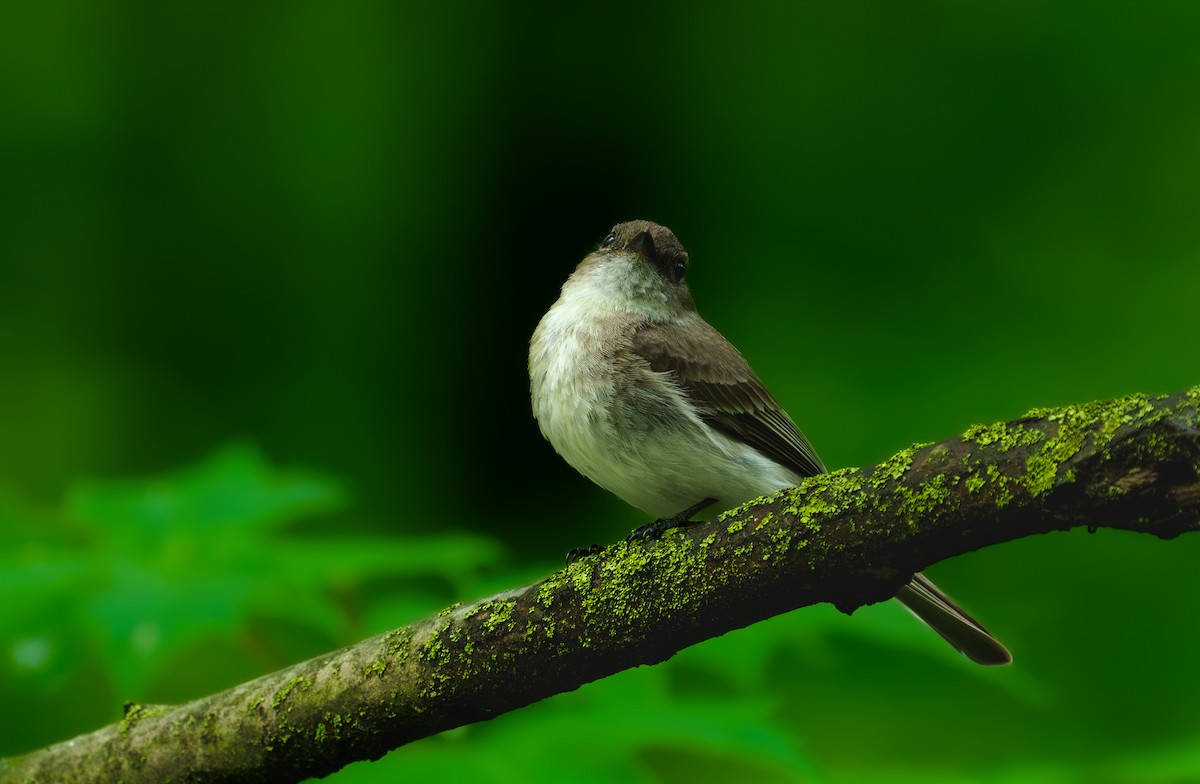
x=575 y=553
x=664 y=524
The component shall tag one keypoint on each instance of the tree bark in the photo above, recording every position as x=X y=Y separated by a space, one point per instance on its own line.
x=850 y=538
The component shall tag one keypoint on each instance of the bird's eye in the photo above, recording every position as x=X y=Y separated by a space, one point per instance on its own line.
x=610 y=239
x=680 y=267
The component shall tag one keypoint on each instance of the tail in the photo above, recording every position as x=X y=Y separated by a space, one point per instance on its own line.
x=946 y=618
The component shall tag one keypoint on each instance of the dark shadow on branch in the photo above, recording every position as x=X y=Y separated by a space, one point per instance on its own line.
x=850 y=538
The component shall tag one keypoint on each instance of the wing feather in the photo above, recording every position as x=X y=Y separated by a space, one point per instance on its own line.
x=725 y=390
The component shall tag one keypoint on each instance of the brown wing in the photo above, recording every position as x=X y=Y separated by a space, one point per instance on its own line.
x=725 y=390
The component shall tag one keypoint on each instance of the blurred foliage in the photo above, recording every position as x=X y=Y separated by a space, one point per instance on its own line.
x=184 y=584
x=328 y=229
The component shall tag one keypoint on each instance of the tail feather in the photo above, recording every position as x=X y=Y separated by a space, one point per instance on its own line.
x=927 y=602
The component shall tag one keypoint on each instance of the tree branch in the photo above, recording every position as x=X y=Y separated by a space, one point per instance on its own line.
x=850 y=538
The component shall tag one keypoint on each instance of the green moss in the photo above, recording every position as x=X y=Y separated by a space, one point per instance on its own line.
x=618 y=593
x=547 y=591
x=437 y=653
x=581 y=578
x=1093 y=424
x=895 y=467
x=829 y=495
x=925 y=499
x=303 y=682
x=974 y=482
x=1002 y=435
x=736 y=526
x=319 y=733
x=397 y=644
x=1003 y=493
x=435 y=649
x=783 y=541
x=1192 y=400
x=500 y=613
x=135 y=712
x=1114 y=491
x=612 y=588
x=1155 y=447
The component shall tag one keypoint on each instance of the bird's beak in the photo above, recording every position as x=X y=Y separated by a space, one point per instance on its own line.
x=643 y=244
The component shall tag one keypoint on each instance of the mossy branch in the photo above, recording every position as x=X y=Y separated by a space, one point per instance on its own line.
x=849 y=538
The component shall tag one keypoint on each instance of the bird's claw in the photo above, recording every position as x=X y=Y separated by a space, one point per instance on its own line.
x=663 y=524
x=575 y=553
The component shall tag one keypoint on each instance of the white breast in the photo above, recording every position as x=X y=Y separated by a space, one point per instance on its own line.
x=642 y=442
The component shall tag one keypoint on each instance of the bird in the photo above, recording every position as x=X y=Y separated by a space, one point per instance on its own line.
x=645 y=398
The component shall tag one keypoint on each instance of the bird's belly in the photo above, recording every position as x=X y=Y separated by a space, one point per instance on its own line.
x=665 y=463
x=665 y=476
x=642 y=442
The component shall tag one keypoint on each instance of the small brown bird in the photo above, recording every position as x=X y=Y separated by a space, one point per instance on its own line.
x=646 y=399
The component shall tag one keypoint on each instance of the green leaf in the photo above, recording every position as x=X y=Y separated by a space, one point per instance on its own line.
x=151 y=570
x=233 y=489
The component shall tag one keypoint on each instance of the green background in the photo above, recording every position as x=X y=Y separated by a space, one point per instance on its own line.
x=268 y=273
